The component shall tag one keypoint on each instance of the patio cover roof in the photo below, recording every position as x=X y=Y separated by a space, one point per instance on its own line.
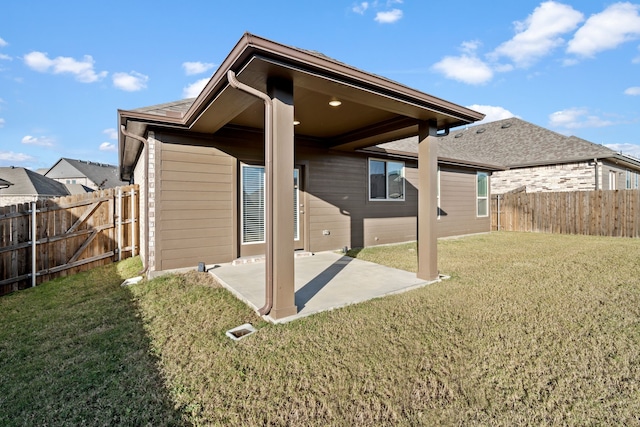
x=374 y=109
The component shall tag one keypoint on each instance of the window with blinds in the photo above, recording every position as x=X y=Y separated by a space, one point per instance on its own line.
x=253 y=205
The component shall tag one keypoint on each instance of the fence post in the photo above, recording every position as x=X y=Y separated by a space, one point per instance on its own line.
x=119 y=223
x=33 y=243
x=133 y=222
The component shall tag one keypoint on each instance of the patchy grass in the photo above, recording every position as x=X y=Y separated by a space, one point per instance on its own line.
x=73 y=352
x=530 y=329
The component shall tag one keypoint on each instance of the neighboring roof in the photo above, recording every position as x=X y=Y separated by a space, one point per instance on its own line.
x=101 y=174
x=513 y=143
x=374 y=109
x=28 y=182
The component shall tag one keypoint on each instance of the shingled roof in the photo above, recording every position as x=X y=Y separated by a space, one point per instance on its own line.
x=101 y=174
x=28 y=182
x=511 y=143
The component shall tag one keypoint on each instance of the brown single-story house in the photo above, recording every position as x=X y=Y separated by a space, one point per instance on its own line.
x=271 y=157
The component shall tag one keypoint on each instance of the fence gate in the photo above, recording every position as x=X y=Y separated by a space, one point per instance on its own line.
x=56 y=237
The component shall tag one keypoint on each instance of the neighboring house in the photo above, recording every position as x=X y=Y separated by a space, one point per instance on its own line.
x=27 y=186
x=539 y=159
x=89 y=175
x=210 y=196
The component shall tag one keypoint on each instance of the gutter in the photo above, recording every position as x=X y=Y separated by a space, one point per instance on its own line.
x=268 y=165
x=145 y=264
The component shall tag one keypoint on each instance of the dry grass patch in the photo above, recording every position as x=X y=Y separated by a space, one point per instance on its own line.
x=530 y=329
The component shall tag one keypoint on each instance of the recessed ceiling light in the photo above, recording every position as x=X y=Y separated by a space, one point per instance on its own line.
x=296 y=122
x=335 y=103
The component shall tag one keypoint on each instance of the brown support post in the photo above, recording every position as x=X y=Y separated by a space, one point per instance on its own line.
x=427 y=201
x=281 y=93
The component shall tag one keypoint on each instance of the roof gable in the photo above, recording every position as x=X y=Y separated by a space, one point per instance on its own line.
x=373 y=109
x=101 y=174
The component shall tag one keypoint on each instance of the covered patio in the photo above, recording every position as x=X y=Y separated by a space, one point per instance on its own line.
x=288 y=95
x=323 y=281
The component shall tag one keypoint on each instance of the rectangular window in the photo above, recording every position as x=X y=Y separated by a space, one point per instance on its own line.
x=629 y=180
x=612 y=180
x=386 y=180
x=253 y=204
x=482 y=194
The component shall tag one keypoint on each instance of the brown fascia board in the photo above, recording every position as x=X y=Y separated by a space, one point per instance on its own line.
x=250 y=45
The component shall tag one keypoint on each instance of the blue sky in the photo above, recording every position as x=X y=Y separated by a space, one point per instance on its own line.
x=66 y=67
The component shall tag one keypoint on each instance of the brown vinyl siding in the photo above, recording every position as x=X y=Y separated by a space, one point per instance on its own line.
x=197 y=199
x=458 y=203
x=197 y=217
x=337 y=193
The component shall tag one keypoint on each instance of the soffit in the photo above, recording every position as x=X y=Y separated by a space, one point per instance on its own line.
x=367 y=115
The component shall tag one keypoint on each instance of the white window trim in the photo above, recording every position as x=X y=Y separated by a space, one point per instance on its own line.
x=478 y=198
x=387 y=198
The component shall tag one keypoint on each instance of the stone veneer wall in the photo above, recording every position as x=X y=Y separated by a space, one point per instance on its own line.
x=147 y=201
x=567 y=177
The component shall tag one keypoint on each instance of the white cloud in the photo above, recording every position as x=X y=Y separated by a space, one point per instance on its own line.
x=82 y=70
x=3 y=43
x=191 y=68
x=540 y=33
x=388 y=17
x=41 y=141
x=108 y=146
x=465 y=68
x=9 y=156
x=577 y=118
x=194 y=89
x=615 y=25
x=634 y=90
x=360 y=8
x=5 y=57
x=629 y=149
x=130 y=82
x=111 y=133
x=492 y=113
x=2 y=122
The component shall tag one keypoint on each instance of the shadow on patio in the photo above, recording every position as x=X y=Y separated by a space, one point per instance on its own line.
x=324 y=281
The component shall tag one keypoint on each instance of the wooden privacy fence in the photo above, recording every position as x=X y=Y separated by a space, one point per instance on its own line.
x=56 y=237
x=596 y=213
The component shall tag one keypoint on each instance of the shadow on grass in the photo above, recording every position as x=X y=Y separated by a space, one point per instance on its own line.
x=74 y=351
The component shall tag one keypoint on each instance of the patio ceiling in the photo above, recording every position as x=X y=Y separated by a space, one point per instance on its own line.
x=373 y=110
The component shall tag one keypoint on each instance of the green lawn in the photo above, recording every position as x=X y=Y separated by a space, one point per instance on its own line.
x=530 y=329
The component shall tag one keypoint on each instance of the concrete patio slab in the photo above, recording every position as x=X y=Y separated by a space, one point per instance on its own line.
x=323 y=281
